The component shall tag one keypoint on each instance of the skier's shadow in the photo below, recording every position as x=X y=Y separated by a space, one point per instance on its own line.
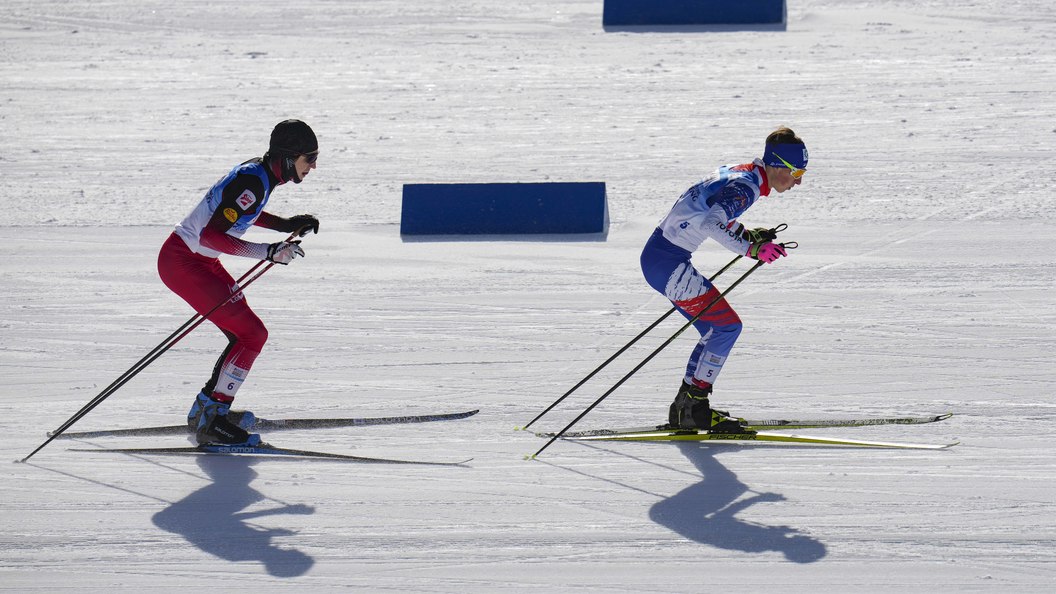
x=212 y=519
x=707 y=513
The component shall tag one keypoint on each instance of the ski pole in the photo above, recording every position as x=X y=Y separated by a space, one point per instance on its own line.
x=620 y=352
x=162 y=346
x=651 y=355
x=154 y=354
x=775 y=231
x=158 y=351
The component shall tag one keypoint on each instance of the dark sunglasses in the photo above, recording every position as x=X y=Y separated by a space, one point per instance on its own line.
x=311 y=157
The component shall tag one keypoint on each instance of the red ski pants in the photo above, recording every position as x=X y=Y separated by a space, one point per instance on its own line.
x=203 y=283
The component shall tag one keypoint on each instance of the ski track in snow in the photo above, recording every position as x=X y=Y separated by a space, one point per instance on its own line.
x=922 y=285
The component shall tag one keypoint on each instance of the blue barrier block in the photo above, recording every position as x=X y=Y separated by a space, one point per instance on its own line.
x=692 y=12
x=500 y=209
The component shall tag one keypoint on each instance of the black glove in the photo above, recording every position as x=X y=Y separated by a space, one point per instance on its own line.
x=302 y=224
x=759 y=235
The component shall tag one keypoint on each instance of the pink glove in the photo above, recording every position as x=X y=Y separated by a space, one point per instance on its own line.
x=766 y=251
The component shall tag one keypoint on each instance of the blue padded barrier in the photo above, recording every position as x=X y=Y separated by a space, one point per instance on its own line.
x=692 y=12
x=504 y=209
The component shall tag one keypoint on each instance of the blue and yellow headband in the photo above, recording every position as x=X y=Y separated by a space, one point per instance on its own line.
x=793 y=156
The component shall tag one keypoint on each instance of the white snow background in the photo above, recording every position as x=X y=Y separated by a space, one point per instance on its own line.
x=923 y=284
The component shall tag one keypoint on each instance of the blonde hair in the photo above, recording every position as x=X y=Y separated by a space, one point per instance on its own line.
x=784 y=135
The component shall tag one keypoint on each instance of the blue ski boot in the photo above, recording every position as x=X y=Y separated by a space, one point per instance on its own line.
x=214 y=427
x=242 y=418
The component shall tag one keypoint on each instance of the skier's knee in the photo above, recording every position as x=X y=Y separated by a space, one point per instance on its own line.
x=254 y=337
x=730 y=331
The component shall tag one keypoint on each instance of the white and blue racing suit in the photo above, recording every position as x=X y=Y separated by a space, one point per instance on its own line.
x=709 y=209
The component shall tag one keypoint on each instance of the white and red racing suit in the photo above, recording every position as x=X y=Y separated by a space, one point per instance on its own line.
x=189 y=265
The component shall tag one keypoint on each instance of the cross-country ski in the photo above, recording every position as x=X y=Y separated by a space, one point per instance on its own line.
x=748 y=438
x=759 y=424
x=270 y=425
x=261 y=450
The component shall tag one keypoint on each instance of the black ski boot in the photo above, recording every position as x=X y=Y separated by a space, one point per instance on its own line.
x=692 y=410
x=215 y=428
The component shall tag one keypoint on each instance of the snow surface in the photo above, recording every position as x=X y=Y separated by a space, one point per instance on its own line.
x=923 y=284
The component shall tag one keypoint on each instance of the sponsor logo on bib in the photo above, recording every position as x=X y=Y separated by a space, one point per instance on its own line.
x=246 y=200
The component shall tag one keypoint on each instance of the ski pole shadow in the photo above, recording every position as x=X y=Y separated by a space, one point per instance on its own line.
x=212 y=519
x=707 y=513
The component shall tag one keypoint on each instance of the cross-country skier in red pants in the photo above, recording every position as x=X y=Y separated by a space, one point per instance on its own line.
x=189 y=265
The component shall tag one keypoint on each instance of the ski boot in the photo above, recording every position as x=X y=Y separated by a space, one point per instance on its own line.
x=242 y=418
x=214 y=427
x=692 y=410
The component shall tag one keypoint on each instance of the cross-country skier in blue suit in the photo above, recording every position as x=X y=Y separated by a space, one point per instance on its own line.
x=710 y=209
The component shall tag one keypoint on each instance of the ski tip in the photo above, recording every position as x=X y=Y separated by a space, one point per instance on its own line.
x=529 y=457
x=518 y=428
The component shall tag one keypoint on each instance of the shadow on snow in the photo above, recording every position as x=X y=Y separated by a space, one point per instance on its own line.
x=212 y=519
x=707 y=513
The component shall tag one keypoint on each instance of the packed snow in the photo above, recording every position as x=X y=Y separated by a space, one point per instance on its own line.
x=922 y=285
